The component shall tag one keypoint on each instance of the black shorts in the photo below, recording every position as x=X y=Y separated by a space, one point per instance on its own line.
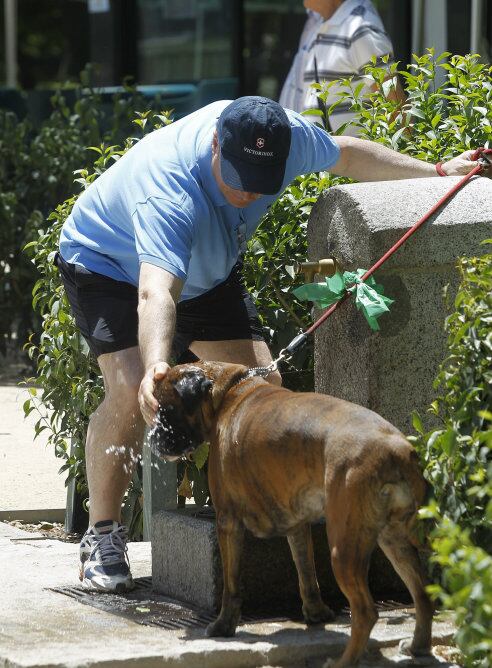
x=105 y=311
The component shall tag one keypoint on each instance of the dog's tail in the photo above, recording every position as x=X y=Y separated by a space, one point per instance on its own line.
x=404 y=497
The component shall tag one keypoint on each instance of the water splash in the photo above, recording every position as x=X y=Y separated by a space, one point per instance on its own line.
x=164 y=433
x=129 y=456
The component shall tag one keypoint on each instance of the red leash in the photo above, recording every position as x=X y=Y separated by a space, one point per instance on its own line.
x=300 y=339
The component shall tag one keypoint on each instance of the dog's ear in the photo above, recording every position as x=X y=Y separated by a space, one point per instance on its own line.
x=225 y=376
x=192 y=388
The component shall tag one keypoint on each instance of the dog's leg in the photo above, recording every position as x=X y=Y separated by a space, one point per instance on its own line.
x=301 y=546
x=405 y=559
x=230 y=534
x=351 y=545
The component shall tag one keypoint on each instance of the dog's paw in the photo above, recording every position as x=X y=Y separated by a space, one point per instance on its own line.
x=405 y=647
x=318 y=615
x=220 y=629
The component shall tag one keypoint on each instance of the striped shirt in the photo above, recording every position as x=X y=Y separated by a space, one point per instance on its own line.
x=337 y=48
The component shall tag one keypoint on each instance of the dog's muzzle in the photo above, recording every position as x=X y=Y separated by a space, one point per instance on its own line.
x=172 y=437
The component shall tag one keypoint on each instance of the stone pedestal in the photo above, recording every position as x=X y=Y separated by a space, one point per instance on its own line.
x=159 y=485
x=392 y=371
x=186 y=565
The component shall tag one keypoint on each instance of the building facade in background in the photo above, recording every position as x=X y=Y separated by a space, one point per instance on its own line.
x=161 y=42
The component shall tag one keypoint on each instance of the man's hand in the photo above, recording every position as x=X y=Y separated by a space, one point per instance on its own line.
x=146 y=399
x=461 y=165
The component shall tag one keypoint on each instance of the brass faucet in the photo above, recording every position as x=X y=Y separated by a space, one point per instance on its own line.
x=325 y=267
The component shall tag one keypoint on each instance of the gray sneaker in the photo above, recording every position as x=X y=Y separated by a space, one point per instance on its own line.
x=104 y=564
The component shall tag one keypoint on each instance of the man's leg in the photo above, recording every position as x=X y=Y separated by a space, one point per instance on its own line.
x=115 y=434
x=238 y=351
x=105 y=311
x=114 y=441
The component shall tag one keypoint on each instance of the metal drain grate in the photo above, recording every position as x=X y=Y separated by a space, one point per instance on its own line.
x=145 y=606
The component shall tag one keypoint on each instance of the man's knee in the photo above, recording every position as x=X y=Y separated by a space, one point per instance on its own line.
x=121 y=403
x=122 y=373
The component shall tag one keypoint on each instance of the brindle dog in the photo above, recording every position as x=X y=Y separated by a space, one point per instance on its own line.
x=279 y=460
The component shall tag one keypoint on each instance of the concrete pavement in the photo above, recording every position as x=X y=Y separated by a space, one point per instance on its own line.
x=42 y=628
x=30 y=487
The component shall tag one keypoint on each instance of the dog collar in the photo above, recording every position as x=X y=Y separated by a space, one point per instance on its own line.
x=260 y=371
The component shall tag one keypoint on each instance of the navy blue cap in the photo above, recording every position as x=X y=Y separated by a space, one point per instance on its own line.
x=254 y=136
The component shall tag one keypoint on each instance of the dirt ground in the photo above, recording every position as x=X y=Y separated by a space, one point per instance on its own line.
x=53 y=530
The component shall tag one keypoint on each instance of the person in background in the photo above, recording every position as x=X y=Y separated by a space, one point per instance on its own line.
x=339 y=39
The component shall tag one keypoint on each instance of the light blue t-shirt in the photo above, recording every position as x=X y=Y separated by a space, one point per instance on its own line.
x=160 y=203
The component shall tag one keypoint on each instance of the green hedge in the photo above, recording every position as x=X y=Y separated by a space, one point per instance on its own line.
x=457 y=456
x=465 y=588
x=36 y=174
x=438 y=121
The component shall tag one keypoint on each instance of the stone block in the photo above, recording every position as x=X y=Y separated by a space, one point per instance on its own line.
x=159 y=485
x=186 y=565
x=392 y=371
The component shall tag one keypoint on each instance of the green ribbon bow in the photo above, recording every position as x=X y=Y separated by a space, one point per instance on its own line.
x=369 y=297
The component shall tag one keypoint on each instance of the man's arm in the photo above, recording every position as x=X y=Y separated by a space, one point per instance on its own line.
x=365 y=160
x=158 y=292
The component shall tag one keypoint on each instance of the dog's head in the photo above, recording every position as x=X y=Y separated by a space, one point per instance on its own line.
x=189 y=397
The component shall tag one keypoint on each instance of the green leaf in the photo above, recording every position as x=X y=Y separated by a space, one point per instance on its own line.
x=200 y=455
x=417 y=423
